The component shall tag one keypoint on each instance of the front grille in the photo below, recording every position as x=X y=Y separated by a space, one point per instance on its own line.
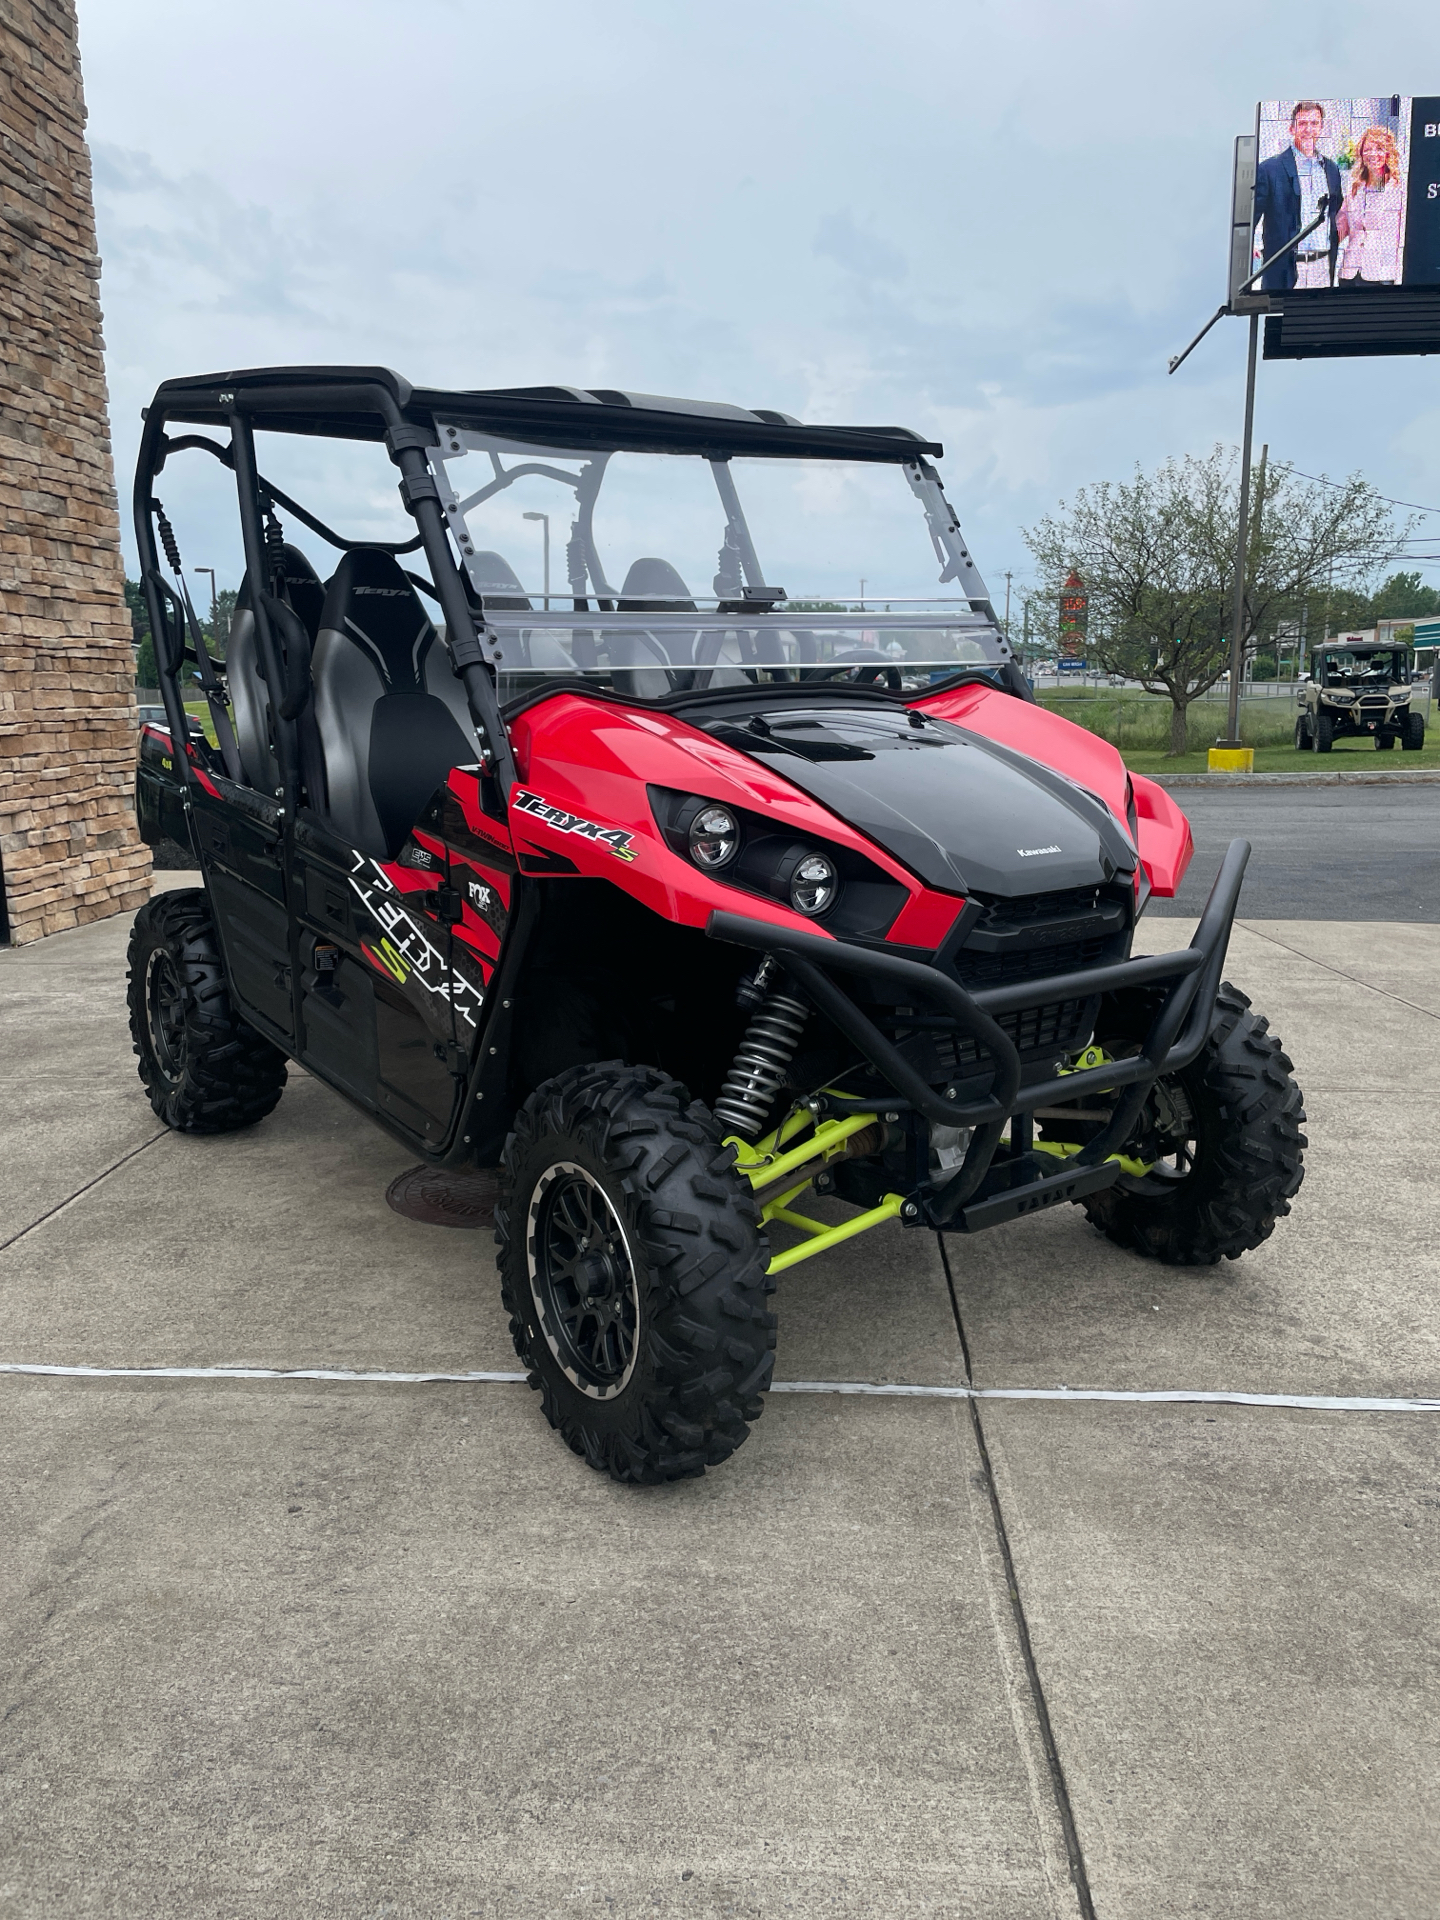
x=1069 y=901
x=1043 y=933
x=976 y=970
x=1058 y=1027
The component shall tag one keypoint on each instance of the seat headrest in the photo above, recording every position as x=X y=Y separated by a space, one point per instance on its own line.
x=371 y=603
x=498 y=583
x=663 y=589
x=303 y=589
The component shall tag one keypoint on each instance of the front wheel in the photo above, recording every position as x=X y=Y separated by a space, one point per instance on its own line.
x=1324 y=733
x=634 y=1269
x=1384 y=742
x=1413 y=737
x=205 y=1069
x=1224 y=1138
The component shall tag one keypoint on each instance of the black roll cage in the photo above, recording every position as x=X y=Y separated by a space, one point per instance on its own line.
x=376 y=404
x=238 y=406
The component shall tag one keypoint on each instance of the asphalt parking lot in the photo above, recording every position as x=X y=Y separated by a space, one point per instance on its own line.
x=356 y=1647
x=1319 y=853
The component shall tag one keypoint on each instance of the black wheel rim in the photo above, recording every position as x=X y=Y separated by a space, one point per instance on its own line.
x=582 y=1276
x=165 y=1014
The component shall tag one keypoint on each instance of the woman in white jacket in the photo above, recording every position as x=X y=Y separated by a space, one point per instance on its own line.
x=1371 y=214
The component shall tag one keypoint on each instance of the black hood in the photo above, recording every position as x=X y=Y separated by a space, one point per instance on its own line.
x=962 y=813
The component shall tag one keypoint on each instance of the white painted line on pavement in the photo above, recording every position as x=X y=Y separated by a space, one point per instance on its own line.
x=1179 y=1396
x=1172 y=1396
x=378 y=1379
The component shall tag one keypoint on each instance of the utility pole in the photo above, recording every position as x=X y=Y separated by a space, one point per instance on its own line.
x=862 y=594
x=1231 y=742
x=1259 y=530
x=1007 y=604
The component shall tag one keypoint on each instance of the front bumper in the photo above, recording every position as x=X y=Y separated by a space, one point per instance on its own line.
x=1176 y=1035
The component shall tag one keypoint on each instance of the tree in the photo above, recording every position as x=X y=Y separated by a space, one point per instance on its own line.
x=216 y=632
x=1157 y=557
x=1403 y=598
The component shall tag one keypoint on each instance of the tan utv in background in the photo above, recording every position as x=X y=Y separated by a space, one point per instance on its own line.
x=1358 y=690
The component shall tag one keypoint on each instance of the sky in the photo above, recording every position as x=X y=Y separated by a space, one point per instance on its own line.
x=990 y=222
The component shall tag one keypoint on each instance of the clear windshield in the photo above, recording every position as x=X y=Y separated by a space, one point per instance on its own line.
x=660 y=573
x=647 y=657
x=1384 y=668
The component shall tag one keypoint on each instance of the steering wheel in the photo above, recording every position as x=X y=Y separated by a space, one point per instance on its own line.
x=864 y=666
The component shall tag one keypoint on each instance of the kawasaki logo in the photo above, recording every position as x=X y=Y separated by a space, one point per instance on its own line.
x=1029 y=853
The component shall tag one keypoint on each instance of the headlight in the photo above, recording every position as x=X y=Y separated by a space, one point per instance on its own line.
x=1341 y=699
x=714 y=838
x=813 y=881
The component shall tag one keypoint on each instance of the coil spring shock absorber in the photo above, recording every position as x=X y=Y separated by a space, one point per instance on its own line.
x=758 y=1071
x=274 y=545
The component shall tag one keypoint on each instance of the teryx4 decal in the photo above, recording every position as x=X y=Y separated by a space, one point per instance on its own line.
x=404 y=953
x=557 y=817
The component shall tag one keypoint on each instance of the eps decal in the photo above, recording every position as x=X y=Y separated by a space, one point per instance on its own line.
x=563 y=822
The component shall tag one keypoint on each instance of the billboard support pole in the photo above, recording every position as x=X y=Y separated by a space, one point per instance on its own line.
x=1242 y=542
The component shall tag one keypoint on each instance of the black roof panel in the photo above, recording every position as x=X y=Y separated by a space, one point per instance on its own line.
x=353 y=403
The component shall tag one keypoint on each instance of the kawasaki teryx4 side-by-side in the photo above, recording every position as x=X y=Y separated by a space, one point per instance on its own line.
x=671 y=890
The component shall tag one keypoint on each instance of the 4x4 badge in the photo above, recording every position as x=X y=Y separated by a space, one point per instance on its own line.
x=553 y=816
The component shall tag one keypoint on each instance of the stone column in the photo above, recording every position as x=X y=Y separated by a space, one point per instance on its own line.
x=69 y=851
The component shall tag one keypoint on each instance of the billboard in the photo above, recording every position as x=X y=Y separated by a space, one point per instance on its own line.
x=1364 y=175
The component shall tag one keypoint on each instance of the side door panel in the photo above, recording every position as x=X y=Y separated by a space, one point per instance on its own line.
x=239 y=834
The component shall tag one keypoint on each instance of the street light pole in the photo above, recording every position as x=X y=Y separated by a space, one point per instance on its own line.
x=546 y=529
x=214 y=602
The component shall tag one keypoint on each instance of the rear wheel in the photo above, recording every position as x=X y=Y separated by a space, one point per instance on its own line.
x=204 y=1068
x=1384 y=742
x=1224 y=1136
x=1324 y=733
x=1413 y=736
x=634 y=1270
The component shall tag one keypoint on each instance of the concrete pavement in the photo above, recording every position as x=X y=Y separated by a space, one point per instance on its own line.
x=284 y=1647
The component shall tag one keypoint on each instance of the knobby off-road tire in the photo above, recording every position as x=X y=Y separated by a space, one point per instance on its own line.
x=1384 y=742
x=204 y=1068
x=633 y=1266
x=1302 y=735
x=1324 y=733
x=1413 y=738
x=1241 y=1164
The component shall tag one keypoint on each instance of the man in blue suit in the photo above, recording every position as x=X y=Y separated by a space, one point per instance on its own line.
x=1288 y=191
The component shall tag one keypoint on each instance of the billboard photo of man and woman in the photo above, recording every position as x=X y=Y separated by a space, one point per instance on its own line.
x=1346 y=165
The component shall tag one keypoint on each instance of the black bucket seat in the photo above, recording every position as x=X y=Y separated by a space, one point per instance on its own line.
x=391 y=715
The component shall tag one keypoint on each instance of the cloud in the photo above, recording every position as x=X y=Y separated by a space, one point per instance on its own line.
x=993 y=224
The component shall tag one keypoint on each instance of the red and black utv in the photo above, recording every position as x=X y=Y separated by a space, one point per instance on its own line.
x=674 y=900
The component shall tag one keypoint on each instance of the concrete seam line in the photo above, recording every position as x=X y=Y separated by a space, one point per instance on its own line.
x=1339 y=972
x=877 y=1389
x=1040 y=1706
x=80 y=1192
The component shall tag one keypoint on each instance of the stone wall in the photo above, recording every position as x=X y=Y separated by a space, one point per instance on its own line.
x=68 y=846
